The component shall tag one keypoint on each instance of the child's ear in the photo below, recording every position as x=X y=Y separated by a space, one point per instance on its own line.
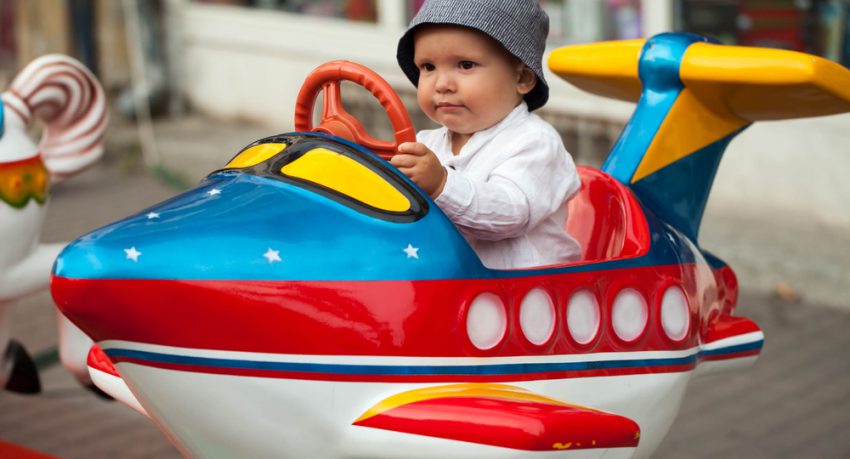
x=526 y=80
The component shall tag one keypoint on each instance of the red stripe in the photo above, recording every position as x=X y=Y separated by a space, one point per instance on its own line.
x=33 y=161
x=98 y=360
x=26 y=118
x=390 y=318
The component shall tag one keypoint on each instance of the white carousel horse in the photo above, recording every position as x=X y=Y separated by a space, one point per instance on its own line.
x=69 y=100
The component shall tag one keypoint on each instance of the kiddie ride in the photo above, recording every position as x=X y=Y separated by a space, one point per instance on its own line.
x=68 y=99
x=309 y=301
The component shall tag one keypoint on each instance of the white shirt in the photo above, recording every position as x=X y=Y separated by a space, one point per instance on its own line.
x=507 y=191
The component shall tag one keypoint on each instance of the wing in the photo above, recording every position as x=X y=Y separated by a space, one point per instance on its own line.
x=501 y=415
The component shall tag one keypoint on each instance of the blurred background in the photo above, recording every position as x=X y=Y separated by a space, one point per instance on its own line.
x=191 y=82
x=243 y=61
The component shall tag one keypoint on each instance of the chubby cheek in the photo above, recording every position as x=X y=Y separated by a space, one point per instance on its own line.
x=424 y=96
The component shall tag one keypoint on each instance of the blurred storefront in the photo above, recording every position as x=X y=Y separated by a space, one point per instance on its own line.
x=232 y=58
x=304 y=33
x=813 y=26
x=275 y=43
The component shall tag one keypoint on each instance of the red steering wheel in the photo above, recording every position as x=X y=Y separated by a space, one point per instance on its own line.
x=336 y=121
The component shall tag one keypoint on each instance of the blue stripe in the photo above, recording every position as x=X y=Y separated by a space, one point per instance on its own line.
x=733 y=349
x=422 y=370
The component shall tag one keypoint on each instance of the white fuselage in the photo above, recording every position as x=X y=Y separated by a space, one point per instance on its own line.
x=219 y=415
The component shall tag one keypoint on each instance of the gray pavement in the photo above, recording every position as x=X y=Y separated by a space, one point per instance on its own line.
x=795 y=403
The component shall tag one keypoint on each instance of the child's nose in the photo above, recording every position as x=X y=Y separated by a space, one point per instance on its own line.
x=445 y=82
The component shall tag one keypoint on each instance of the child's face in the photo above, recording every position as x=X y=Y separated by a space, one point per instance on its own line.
x=467 y=81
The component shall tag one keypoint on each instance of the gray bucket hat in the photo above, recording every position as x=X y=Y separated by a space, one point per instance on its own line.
x=521 y=26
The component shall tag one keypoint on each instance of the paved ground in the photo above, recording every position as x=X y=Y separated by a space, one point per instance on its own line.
x=795 y=403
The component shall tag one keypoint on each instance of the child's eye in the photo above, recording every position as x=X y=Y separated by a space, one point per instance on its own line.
x=426 y=67
x=466 y=65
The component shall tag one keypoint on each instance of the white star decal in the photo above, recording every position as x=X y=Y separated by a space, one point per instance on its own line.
x=214 y=192
x=272 y=255
x=412 y=252
x=133 y=254
x=152 y=215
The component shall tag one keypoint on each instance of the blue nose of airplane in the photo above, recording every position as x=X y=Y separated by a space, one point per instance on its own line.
x=239 y=226
x=231 y=226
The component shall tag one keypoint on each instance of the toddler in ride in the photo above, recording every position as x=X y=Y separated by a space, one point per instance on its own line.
x=499 y=172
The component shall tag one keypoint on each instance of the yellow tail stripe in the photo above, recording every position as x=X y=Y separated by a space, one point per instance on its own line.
x=692 y=124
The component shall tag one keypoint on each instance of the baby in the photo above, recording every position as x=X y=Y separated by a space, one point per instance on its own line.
x=499 y=172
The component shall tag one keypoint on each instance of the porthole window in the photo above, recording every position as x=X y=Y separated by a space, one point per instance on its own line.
x=537 y=316
x=675 y=314
x=583 y=316
x=629 y=315
x=486 y=321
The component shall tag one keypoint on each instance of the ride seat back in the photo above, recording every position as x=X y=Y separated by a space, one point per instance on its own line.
x=606 y=219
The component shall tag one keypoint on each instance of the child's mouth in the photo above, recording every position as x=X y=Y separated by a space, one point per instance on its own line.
x=449 y=107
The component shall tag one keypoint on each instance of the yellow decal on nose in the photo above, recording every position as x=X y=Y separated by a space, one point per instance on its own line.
x=255 y=155
x=345 y=175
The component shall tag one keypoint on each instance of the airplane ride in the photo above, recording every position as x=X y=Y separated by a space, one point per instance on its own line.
x=308 y=300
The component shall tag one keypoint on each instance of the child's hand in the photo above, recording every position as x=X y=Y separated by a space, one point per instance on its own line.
x=421 y=165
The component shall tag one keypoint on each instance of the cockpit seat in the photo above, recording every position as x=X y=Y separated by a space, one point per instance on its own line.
x=606 y=219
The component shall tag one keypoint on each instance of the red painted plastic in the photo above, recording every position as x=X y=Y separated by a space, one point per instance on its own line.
x=606 y=219
x=8 y=450
x=517 y=424
x=98 y=360
x=728 y=327
x=402 y=318
x=719 y=322
x=336 y=121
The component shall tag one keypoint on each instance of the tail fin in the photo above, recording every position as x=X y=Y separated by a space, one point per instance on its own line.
x=693 y=97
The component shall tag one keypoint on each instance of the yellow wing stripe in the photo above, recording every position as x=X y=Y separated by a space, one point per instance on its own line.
x=768 y=84
x=607 y=69
x=755 y=83
x=501 y=391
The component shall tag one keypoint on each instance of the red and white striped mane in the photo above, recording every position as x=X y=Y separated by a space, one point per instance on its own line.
x=68 y=98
